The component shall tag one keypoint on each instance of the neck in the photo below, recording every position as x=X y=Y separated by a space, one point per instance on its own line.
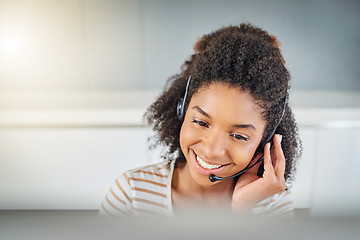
x=187 y=191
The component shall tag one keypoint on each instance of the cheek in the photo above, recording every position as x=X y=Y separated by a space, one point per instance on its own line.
x=187 y=136
x=242 y=155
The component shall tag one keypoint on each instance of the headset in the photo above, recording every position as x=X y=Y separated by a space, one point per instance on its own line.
x=180 y=110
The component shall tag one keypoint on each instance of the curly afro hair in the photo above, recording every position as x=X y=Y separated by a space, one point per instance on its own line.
x=242 y=56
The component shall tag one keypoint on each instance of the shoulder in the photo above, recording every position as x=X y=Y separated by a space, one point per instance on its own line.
x=151 y=177
x=278 y=205
x=138 y=190
x=157 y=171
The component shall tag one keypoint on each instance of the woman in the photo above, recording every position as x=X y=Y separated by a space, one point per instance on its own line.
x=217 y=119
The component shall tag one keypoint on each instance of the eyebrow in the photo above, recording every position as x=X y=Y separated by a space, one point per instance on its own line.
x=201 y=111
x=235 y=125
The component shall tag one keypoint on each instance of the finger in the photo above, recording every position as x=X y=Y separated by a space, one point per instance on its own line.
x=279 y=156
x=268 y=166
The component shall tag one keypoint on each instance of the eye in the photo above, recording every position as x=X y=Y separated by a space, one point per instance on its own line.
x=200 y=123
x=239 y=137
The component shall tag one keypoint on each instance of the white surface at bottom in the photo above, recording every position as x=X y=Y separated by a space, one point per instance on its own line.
x=86 y=225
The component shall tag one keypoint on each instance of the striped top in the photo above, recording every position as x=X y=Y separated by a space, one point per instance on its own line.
x=147 y=190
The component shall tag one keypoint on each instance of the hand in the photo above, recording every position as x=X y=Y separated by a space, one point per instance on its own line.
x=250 y=189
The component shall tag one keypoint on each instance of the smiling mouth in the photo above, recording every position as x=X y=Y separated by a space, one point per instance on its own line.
x=206 y=165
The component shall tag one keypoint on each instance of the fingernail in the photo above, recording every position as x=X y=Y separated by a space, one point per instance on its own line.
x=280 y=138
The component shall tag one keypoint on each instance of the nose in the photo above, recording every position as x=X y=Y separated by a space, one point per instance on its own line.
x=214 y=144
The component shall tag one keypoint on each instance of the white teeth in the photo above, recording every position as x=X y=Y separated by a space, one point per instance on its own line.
x=205 y=165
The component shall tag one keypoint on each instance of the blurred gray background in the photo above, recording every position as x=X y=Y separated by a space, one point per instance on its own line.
x=138 y=44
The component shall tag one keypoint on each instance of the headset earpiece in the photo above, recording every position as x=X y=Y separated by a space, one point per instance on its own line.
x=180 y=108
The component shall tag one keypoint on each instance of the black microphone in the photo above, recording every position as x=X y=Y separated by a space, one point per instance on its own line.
x=214 y=178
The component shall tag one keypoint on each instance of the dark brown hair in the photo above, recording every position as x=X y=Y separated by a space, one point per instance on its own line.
x=242 y=56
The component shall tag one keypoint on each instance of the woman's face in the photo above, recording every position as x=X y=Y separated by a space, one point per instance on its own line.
x=221 y=130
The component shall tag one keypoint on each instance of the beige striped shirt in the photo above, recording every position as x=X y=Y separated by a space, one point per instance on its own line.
x=147 y=190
